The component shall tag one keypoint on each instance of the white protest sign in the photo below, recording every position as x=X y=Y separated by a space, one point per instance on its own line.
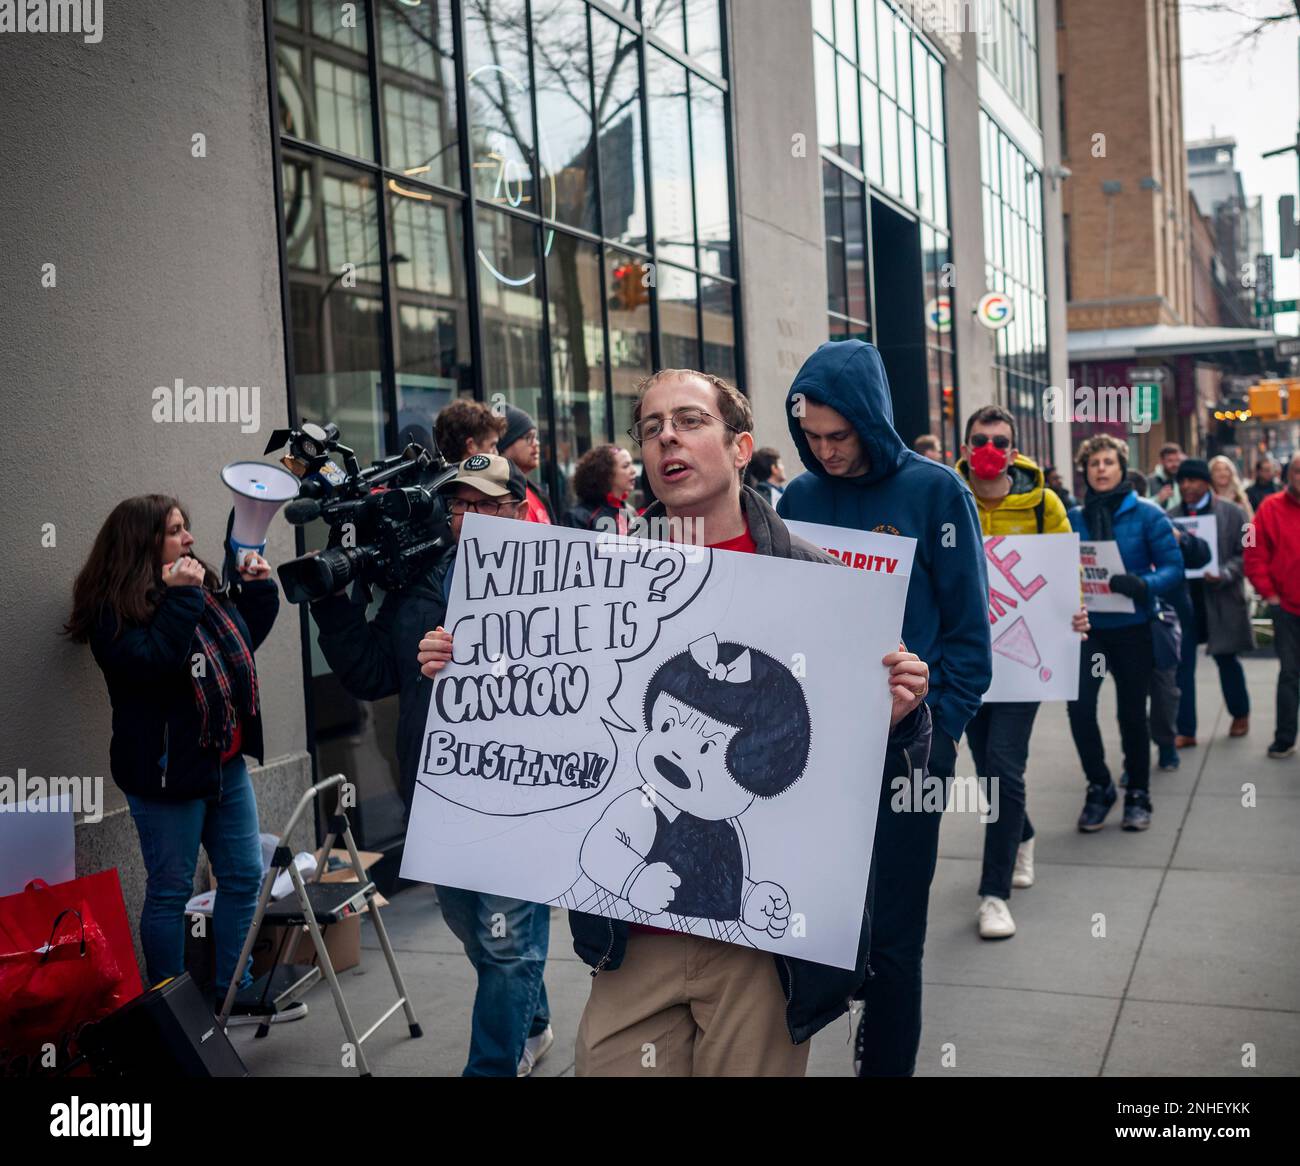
x=1204 y=526
x=864 y=550
x=1101 y=560
x=1033 y=594
x=675 y=736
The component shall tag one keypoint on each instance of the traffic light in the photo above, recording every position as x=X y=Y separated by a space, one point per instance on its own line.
x=629 y=288
x=1266 y=400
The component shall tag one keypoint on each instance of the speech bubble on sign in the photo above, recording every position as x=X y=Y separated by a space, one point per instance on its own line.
x=540 y=619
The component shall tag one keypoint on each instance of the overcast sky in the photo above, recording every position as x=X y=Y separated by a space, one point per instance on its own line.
x=1252 y=94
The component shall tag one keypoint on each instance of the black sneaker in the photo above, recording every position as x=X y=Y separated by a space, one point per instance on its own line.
x=1278 y=750
x=252 y=1012
x=1137 y=811
x=1096 y=807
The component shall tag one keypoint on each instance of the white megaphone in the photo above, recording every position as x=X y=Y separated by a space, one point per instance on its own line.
x=260 y=490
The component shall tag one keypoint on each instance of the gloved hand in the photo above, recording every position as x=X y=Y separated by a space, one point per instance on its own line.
x=1130 y=585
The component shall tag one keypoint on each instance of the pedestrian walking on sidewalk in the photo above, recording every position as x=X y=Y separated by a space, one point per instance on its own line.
x=1272 y=563
x=1011 y=498
x=1222 y=613
x=1111 y=511
x=861 y=475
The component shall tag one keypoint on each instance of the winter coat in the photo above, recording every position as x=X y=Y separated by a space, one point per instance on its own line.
x=1273 y=561
x=155 y=750
x=946 y=621
x=1227 y=614
x=376 y=658
x=1149 y=550
x=1028 y=509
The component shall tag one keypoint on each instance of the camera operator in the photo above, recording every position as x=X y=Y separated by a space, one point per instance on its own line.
x=511 y=1023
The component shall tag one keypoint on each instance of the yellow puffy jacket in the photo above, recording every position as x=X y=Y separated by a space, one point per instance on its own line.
x=1018 y=512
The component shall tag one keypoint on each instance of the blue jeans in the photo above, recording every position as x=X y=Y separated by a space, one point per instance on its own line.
x=999 y=740
x=170 y=833
x=506 y=940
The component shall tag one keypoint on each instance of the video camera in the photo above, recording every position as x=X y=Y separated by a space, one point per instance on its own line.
x=386 y=521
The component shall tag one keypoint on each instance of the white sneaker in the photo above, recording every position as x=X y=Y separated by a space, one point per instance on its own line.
x=535 y=1048
x=1023 y=873
x=995 y=919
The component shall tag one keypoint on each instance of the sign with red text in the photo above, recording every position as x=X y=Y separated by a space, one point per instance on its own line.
x=1100 y=561
x=1033 y=595
x=863 y=550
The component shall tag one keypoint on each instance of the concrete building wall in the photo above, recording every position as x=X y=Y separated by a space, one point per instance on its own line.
x=779 y=205
x=1053 y=226
x=164 y=267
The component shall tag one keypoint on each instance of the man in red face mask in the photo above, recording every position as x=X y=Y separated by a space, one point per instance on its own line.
x=1011 y=499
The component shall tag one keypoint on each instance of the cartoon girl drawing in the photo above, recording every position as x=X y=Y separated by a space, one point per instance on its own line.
x=725 y=724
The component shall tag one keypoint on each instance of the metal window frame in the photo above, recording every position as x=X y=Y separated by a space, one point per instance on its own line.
x=466 y=204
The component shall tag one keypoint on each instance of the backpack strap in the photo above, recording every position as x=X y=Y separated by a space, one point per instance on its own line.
x=1038 y=512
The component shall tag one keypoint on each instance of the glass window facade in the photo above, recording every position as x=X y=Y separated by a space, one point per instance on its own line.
x=522 y=201
x=1008 y=44
x=1012 y=194
x=882 y=130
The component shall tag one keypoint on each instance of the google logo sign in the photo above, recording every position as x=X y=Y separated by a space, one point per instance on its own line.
x=995 y=310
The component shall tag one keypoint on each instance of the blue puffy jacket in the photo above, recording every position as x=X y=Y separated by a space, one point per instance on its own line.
x=946 y=621
x=1149 y=550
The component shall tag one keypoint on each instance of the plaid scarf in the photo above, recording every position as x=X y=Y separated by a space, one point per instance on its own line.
x=227 y=683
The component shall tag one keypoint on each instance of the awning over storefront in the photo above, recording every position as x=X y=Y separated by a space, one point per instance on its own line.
x=1155 y=340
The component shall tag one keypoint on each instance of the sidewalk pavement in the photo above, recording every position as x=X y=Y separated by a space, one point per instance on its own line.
x=1196 y=968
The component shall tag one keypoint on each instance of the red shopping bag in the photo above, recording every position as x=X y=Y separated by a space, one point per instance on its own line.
x=65 y=958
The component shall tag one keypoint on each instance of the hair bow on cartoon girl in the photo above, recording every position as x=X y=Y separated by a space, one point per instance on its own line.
x=725 y=724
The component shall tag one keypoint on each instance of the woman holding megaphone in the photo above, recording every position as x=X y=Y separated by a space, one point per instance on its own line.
x=176 y=651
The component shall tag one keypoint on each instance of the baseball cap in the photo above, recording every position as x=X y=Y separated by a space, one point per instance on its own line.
x=493 y=475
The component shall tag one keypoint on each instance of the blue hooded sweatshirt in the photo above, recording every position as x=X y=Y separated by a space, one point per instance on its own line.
x=946 y=621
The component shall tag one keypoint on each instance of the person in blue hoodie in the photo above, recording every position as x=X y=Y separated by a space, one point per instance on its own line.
x=861 y=475
x=1112 y=511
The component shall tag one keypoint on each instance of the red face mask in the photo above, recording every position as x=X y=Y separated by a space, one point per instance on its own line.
x=988 y=462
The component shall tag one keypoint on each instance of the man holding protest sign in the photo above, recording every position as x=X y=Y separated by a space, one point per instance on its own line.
x=1011 y=500
x=682 y=1004
x=1218 y=591
x=505 y=939
x=862 y=475
x=1138 y=536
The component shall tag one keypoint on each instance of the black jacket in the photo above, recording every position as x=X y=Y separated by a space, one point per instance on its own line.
x=585 y=516
x=376 y=659
x=155 y=751
x=815 y=993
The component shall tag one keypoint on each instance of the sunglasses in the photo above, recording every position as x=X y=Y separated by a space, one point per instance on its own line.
x=978 y=440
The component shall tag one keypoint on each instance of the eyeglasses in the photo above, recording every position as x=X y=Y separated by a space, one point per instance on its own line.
x=685 y=420
x=462 y=505
x=1001 y=441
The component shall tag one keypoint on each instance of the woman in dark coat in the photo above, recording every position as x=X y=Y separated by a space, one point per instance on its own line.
x=1153 y=567
x=602 y=481
x=177 y=656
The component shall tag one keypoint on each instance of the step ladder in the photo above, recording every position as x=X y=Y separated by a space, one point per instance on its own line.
x=314 y=905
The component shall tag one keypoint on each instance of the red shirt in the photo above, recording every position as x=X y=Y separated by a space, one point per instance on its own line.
x=1273 y=563
x=536 y=508
x=744 y=543
x=236 y=743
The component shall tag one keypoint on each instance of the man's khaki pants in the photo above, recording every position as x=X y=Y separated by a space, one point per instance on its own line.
x=681 y=1006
